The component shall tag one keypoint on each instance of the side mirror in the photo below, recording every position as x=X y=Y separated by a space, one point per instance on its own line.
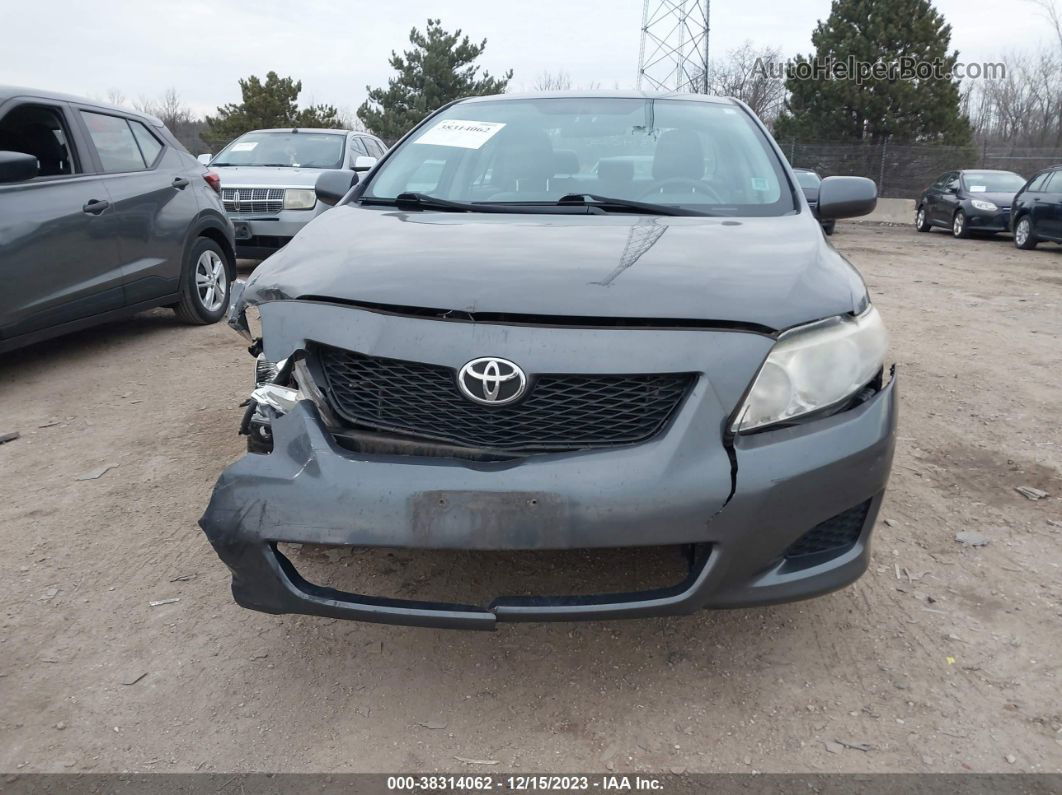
x=363 y=163
x=17 y=167
x=847 y=197
x=205 y=158
x=333 y=185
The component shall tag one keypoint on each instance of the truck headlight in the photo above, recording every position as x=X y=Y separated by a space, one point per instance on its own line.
x=815 y=367
x=981 y=204
x=299 y=199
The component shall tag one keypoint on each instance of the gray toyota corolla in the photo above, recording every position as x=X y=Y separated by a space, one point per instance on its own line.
x=564 y=322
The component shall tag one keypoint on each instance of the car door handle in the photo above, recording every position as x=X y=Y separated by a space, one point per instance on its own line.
x=95 y=206
x=180 y=183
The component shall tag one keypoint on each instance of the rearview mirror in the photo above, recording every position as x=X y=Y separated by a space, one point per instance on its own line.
x=847 y=197
x=363 y=163
x=333 y=185
x=205 y=158
x=17 y=167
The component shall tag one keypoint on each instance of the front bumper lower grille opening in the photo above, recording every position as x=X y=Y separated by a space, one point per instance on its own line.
x=827 y=539
x=560 y=411
x=478 y=577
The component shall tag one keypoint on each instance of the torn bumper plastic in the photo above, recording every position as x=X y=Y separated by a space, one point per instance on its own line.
x=311 y=490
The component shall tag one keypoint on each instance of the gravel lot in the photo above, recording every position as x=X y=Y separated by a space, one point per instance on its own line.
x=944 y=657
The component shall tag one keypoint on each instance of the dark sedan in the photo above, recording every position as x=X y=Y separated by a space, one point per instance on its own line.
x=809 y=182
x=1037 y=214
x=969 y=202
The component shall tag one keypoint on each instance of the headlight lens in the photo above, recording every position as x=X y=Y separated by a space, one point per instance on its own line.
x=981 y=204
x=815 y=367
x=299 y=199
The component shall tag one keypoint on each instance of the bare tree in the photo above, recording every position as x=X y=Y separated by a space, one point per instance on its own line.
x=115 y=96
x=1054 y=17
x=549 y=81
x=1022 y=107
x=744 y=73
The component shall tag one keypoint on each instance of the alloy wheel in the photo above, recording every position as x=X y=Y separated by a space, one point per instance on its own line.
x=211 y=281
x=1021 y=234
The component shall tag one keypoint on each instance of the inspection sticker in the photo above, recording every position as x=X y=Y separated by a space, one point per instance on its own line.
x=463 y=134
x=978 y=188
x=244 y=146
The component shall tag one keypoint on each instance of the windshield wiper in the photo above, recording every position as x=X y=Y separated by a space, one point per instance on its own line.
x=609 y=203
x=422 y=201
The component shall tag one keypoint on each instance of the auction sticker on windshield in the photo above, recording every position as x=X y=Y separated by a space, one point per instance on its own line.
x=460 y=133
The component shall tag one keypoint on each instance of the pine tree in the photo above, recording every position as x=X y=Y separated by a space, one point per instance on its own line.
x=440 y=68
x=269 y=104
x=891 y=105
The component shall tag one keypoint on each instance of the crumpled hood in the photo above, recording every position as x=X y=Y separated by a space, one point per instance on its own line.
x=262 y=176
x=773 y=273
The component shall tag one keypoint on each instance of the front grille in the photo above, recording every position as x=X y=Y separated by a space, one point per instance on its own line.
x=559 y=412
x=834 y=535
x=253 y=200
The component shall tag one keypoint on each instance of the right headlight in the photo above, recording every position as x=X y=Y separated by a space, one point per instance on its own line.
x=815 y=367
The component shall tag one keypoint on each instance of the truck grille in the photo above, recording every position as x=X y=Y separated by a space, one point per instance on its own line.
x=559 y=412
x=253 y=200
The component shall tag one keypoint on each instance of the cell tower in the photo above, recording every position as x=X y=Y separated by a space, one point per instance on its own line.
x=674 y=51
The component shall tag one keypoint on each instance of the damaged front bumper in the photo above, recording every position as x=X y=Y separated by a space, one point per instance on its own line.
x=741 y=508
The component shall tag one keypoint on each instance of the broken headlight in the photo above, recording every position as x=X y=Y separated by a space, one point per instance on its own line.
x=815 y=367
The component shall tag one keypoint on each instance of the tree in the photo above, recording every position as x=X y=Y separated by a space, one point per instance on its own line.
x=881 y=71
x=548 y=81
x=269 y=104
x=744 y=74
x=440 y=68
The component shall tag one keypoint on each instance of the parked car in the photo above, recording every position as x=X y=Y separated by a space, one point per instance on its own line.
x=268 y=178
x=102 y=214
x=1037 y=213
x=968 y=202
x=809 y=182
x=508 y=359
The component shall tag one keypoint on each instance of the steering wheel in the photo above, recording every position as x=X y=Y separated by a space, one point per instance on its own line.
x=696 y=184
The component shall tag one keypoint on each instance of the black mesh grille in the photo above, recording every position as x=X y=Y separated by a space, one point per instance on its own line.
x=835 y=534
x=560 y=412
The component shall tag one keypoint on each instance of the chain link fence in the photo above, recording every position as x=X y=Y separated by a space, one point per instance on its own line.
x=903 y=171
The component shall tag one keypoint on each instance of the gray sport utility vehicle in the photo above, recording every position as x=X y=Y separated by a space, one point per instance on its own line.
x=102 y=213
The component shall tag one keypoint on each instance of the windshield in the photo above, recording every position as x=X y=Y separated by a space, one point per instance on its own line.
x=703 y=156
x=292 y=149
x=993 y=181
x=807 y=179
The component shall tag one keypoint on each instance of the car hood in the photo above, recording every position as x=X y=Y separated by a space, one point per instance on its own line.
x=266 y=176
x=771 y=273
x=1004 y=199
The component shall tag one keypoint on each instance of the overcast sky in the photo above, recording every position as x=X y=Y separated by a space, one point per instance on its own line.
x=336 y=47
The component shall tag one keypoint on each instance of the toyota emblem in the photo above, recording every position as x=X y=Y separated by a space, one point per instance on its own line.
x=492 y=381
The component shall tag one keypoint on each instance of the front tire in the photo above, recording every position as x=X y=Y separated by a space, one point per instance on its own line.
x=1024 y=235
x=204 y=284
x=922 y=220
x=959 y=228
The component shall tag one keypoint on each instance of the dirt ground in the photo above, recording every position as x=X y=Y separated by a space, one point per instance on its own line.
x=944 y=657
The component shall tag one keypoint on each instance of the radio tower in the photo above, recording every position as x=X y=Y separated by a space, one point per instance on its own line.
x=674 y=51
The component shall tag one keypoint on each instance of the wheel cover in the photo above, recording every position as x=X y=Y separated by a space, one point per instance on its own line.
x=211 y=281
x=920 y=217
x=959 y=224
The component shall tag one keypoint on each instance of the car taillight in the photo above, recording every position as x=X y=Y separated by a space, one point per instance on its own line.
x=214 y=181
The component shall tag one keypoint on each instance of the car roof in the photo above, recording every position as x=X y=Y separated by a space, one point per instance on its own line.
x=987 y=171
x=10 y=92
x=330 y=130
x=595 y=94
